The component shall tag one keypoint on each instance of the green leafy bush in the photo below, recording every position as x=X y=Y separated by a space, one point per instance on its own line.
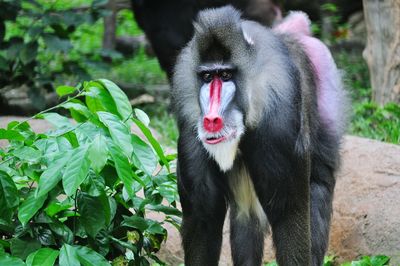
x=37 y=44
x=79 y=193
x=379 y=260
x=368 y=119
x=381 y=123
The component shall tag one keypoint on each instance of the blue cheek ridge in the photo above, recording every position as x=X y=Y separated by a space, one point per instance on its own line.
x=227 y=94
x=205 y=98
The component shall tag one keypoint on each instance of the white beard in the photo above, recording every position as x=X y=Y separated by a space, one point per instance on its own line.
x=224 y=153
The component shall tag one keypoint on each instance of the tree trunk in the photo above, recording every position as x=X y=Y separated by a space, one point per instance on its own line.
x=382 y=53
x=110 y=23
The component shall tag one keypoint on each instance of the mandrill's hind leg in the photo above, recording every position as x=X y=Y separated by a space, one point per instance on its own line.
x=321 y=209
x=325 y=161
x=248 y=220
x=247 y=239
x=202 y=228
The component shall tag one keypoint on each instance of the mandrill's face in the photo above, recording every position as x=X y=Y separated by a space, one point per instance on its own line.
x=221 y=123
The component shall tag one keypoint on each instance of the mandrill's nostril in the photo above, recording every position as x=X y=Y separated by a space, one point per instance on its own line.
x=213 y=123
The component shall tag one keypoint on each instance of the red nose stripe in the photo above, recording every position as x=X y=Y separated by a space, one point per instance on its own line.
x=215 y=95
x=215 y=91
x=212 y=121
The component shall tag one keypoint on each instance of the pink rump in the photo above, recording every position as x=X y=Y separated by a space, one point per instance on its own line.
x=329 y=87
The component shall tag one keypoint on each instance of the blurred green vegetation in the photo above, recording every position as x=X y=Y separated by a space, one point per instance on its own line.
x=367 y=118
x=65 y=46
x=139 y=69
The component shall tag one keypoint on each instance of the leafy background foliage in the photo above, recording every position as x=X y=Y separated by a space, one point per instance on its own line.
x=37 y=44
x=79 y=193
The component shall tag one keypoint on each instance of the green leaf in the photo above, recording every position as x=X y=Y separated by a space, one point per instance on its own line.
x=165 y=209
x=94 y=184
x=17 y=44
x=11 y=261
x=98 y=153
x=121 y=100
x=62 y=231
x=65 y=90
x=76 y=171
x=89 y=257
x=169 y=191
x=53 y=146
x=8 y=191
x=29 y=207
x=28 y=52
x=55 y=207
x=78 y=107
x=119 y=132
x=22 y=248
x=99 y=99
x=42 y=257
x=74 y=255
x=124 y=170
x=124 y=244
x=68 y=256
x=155 y=228
x=56 y=119
x=154 y=143
x=93 y=213
x=99 y=3
x=55 y=44
x=142 y=116
x=136 y=222
x=52 y=175
x=28 y=154
x=11 y=134
x=71 y=137
x=3 y=64
x=379 y=260
x=143 y=155
x=19 y=126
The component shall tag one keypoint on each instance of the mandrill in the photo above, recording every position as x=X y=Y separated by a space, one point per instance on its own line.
x=261 y=114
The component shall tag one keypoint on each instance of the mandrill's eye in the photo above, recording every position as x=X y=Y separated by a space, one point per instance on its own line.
x=206 y=77
x=226 y=75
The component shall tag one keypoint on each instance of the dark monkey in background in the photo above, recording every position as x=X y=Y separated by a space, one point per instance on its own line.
x=261 y=115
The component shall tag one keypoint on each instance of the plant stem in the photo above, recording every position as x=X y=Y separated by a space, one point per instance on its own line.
x=47 y=110
x=75 y=211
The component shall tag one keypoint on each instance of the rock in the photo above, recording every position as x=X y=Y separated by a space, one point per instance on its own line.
x=366 y=216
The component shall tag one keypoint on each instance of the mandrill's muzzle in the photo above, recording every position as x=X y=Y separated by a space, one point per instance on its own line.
x=213 y=123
